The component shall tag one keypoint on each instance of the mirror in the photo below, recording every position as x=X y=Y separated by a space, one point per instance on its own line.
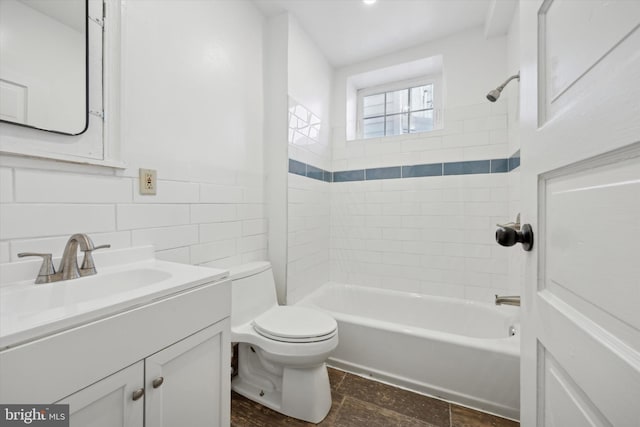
x=44 y=64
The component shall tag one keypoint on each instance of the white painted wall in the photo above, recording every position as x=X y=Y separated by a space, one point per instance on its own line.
x=309 y=85
x=310 y=79
x=193 y=110
x=472 y=66
x=433 y=235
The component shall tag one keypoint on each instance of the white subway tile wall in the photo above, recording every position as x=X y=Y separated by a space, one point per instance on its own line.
x=187 y=222
x=434 y=234
x=308 y=206
x=308 y=236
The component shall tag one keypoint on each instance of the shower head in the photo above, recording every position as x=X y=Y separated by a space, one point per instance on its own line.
x=495 y=93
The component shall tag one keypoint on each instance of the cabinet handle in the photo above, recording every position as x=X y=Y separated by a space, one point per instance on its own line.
x=138 y=394
x=157 y=382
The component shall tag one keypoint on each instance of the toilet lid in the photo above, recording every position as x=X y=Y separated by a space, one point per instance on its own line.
x=295 y=324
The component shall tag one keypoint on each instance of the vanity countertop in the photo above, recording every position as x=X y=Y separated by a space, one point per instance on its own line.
x=126 y=279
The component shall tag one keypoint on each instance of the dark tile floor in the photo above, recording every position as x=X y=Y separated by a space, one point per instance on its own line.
x=361 y=402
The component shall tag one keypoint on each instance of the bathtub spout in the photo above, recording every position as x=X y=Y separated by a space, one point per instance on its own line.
x=508 y=300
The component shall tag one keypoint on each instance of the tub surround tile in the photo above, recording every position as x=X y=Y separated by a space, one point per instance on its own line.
x=466 y=168
x=297 y=167
x=514 y=161
x=383 y=173
x=499 y=165
x=415 y=171
x=314 y=173
x=405 y=171
x=303 y=169
x=345 y=176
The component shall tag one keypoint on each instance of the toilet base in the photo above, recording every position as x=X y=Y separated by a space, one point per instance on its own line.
x=299 y=393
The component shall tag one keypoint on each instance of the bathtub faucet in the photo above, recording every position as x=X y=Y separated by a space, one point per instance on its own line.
x=508 y=300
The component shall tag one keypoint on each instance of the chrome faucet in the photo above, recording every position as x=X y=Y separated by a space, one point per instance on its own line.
x=508 y=300
x=69 y=263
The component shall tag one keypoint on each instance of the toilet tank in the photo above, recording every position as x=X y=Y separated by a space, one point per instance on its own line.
x=253 y=291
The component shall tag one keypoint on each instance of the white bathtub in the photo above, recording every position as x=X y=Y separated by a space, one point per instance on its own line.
x=457 y=350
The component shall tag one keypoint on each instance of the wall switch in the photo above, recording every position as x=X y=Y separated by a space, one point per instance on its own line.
x=148 y=181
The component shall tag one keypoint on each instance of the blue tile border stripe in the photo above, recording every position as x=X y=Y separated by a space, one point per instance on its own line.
x=466 y=168
x=345 y=176
x=297 y=167
x=383 y=173
x=408 y=171
x=514 y=161
x=303 y=169
x=415 y=171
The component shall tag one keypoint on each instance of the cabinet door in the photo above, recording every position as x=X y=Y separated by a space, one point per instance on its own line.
x=109 y=402
x=188 y=383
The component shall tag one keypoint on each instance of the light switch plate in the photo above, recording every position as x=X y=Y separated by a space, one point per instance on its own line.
x=148 y=182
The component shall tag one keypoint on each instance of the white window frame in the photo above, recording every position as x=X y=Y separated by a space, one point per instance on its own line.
x=436 y=81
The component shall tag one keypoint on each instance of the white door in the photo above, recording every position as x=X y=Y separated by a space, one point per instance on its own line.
x=580 y=124
x=188 y=383
x=110 y=402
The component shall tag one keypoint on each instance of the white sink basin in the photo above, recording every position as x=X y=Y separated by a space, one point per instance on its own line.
x=29 y=311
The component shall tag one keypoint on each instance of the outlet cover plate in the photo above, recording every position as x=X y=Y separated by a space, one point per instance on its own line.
x=148 y=181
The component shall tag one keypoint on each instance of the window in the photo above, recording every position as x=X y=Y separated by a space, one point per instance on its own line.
x=402 y=108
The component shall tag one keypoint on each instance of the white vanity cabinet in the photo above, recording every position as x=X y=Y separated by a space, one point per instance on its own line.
x=109 y=403
x=184 y=384
x=173 y=350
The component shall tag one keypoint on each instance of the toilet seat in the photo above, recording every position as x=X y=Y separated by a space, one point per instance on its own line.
x=295 y=325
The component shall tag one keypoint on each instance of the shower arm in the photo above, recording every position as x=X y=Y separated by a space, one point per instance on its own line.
x=503 y=85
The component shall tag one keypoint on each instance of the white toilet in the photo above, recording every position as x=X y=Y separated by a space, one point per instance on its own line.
x=282 y=349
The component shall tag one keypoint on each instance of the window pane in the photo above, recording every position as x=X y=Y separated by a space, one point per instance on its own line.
x=397 y=101
x=421 y=121
x=373 y=128
x=397 y=124
x=422 y=97
x=373 y=105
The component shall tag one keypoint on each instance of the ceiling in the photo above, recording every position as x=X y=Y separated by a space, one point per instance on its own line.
x=348 y=31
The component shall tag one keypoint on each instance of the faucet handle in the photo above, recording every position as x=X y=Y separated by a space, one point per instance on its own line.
x=88 y=265
x=45 y=275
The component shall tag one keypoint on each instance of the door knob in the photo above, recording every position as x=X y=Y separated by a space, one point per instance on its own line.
x=508 y=236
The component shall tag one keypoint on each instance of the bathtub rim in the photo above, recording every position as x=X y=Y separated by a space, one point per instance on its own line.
x=509 y=345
